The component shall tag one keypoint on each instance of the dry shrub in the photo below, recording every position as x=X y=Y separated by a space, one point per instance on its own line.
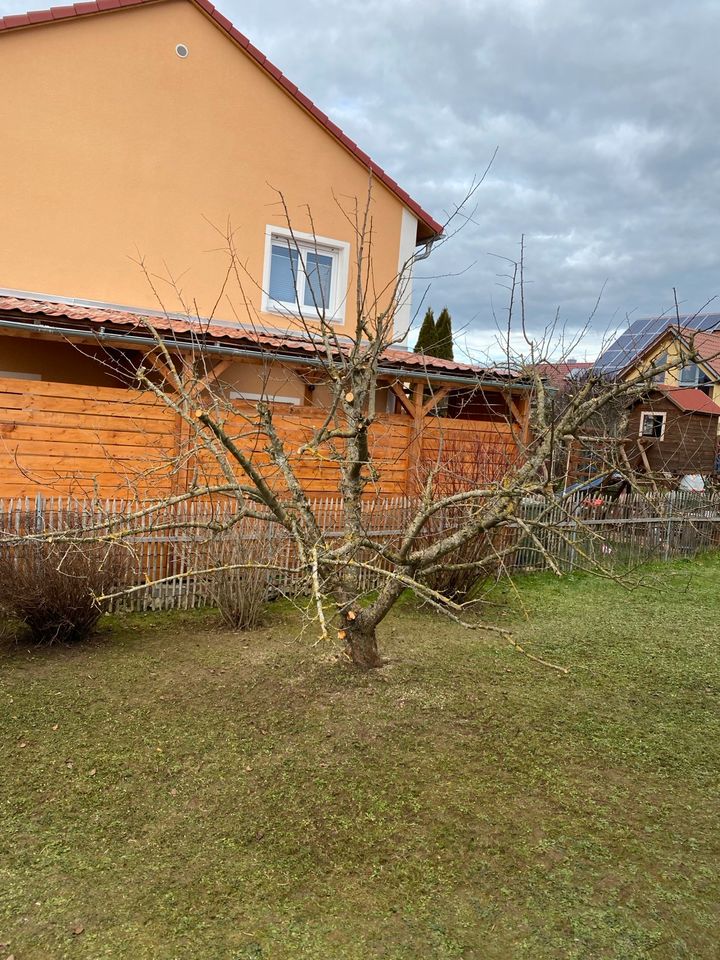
x=240 y=585
x=52 y=588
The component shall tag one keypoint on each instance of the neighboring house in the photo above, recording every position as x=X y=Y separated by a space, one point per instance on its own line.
x=693 y=345
x=669 y=433
x=673 y=430
x=146 y=140
x=696 y=355
x=633 y=341
x=563 y=374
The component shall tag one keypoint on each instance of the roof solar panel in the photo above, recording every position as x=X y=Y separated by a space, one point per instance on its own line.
x=642 y=332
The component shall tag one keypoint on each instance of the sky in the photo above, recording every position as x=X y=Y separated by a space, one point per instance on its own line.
x=606 y=122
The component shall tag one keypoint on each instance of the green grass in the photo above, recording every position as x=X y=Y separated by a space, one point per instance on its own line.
x=228 y=796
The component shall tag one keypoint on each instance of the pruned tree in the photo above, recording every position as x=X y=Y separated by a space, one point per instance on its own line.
x=244 y=457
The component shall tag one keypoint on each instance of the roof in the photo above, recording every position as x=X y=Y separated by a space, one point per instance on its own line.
x=184 y=330
x=427 y=226
x=557 y=374
x=707 y=345
x=641 y=333
x=690 y=400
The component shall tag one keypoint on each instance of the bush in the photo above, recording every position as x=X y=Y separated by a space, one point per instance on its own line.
x=51 y=588
x=240 y=593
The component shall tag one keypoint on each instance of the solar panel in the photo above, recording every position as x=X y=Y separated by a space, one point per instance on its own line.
x=642 y=332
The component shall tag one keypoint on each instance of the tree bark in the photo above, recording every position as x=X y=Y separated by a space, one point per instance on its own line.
x=361 y=646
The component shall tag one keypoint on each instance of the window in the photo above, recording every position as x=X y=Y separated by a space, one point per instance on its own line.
x=304 y=274
x=689 y=375
x=660 y=361
x=692 y=376
x=652 y=425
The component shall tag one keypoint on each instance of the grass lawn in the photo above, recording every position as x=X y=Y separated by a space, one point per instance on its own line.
x=178 y=791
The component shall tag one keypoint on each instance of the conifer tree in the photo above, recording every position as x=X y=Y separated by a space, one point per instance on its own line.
x=443 y=345
x=427 y=335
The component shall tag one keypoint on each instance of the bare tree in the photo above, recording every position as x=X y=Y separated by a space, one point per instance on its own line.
x=243 y=456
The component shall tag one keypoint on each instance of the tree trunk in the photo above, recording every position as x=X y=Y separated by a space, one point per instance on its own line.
x=361 y=646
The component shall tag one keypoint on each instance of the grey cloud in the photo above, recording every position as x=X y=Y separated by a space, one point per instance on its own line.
x=606 y=116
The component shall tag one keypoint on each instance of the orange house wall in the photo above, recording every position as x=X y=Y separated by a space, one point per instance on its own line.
x=116 y=149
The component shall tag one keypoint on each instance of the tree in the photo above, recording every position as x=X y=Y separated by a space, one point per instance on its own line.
x=441 y=523
x=427 y=335
x=443 y=345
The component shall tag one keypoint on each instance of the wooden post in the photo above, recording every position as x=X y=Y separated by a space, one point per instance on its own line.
x=418 y=410
x=415 y=406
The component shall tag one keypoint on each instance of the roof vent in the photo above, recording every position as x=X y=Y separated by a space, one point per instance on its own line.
x=182 y=51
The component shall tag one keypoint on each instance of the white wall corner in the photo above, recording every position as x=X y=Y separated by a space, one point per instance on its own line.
x=408 y=242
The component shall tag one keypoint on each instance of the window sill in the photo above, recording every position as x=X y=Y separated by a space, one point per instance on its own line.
x=278 y=310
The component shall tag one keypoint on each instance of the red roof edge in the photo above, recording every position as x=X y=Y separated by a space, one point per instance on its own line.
x=182 y=330
x=690 y=399
x=428 y=227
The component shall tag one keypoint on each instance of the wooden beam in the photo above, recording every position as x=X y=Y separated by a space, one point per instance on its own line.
x=403 y=398
x=214 y=372
x=644 y=457
x=434 y=400
x=521 y=416
x=159 y=366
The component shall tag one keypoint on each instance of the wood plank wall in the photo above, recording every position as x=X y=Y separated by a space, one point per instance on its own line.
x=63 y=439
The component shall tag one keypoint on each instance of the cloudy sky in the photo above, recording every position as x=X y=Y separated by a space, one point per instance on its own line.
x=605 y=116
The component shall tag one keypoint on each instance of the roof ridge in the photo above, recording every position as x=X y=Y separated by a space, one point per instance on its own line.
x=56 y=14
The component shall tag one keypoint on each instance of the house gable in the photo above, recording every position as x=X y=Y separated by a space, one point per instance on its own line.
x=122 y=150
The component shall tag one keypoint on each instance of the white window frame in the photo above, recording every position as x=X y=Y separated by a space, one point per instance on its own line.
x=264 y=397
x=653 y=413
x=339 y=250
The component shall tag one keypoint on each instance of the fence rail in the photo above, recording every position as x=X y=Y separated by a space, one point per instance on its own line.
x=172 y=556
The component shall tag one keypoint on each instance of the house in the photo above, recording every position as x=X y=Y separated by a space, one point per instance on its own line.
x=147 y=132
x=692 y=344
x=673 y=431
x=694 y=353
x=562 y=374
x=161 y=167
x=668 y=433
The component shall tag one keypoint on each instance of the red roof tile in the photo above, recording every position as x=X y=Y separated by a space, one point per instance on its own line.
x=557 y=373
x=691 y=400
x=707 y=345
x=428 y=226
x=286 y=343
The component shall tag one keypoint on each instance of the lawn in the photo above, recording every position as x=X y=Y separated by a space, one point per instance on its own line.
x=177 y=791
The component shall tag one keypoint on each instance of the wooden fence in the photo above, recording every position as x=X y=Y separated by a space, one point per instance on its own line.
x=63 y=439
x=172 y=565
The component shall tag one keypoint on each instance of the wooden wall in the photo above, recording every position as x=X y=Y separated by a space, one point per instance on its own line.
x=63 y=439
x=688 y=446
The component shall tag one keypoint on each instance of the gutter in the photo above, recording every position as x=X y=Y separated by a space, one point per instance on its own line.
x=245 y=353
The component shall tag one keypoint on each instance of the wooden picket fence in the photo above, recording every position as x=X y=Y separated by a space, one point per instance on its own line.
x=173 y=556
